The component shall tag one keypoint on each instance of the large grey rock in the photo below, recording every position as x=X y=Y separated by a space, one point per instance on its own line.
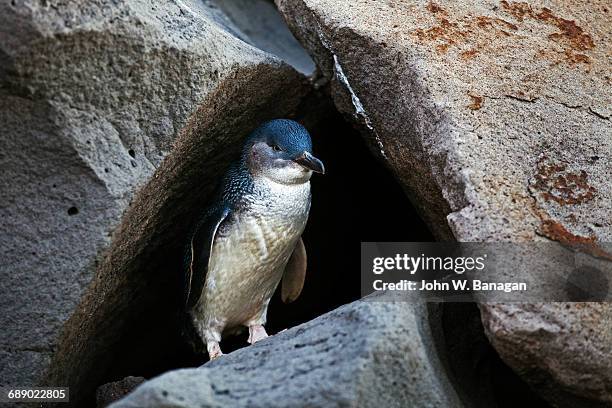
x=541 y=342
x=494 y=116
x=365 y=354
x=94 y=97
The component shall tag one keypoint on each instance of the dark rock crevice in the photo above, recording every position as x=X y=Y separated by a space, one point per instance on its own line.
x=411 y=141
x=480 y=377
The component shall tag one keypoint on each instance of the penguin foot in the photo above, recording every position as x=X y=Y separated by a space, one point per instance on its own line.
x=256 y=333
x=214 y=350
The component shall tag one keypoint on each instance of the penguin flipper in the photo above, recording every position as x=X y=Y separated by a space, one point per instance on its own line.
x=198 y=254
x=295 y=273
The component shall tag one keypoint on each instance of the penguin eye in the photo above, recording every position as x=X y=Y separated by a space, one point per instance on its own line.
x=276 y=148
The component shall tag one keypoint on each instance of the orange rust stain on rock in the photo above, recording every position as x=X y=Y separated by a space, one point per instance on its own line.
x=570 y=36
x=568 y=31
x=469 y=54
x=576 y=58
x=557 y=232
x=518 y=9
x=442 y=48
x=434 y=8
x=476 y=102
x=492 y=22
x=447 y=33
x=555 y=183
x=482 y=31
x=483 y=22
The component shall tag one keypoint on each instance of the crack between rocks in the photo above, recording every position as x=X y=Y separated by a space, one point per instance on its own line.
x=41 y=349
x=586 y=109
x=599 y=115
x=183 y=6
x=341 y=76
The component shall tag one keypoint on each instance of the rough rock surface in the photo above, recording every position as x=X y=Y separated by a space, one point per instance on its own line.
x=541 y=342
x=494 y=116
x=94 y=95
x=365 y=354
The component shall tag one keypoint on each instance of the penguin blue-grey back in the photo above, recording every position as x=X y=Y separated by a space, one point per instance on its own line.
x=249 y=239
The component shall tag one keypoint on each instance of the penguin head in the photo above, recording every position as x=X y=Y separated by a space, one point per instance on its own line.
x=281 y=150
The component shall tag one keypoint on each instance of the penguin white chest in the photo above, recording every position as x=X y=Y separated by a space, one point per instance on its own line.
x=250 y=253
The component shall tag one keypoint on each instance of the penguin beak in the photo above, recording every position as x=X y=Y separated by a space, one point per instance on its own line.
x=310 y=162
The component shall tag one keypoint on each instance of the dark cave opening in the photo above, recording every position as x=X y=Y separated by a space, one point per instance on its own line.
x=356 y=200
x=481 y=378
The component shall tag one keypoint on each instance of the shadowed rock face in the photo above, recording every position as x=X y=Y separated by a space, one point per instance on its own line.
x=366 y=354
x=481 y=378
x=108 y=393
x=102 y=106
x=495 y=118
x=565 y=347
